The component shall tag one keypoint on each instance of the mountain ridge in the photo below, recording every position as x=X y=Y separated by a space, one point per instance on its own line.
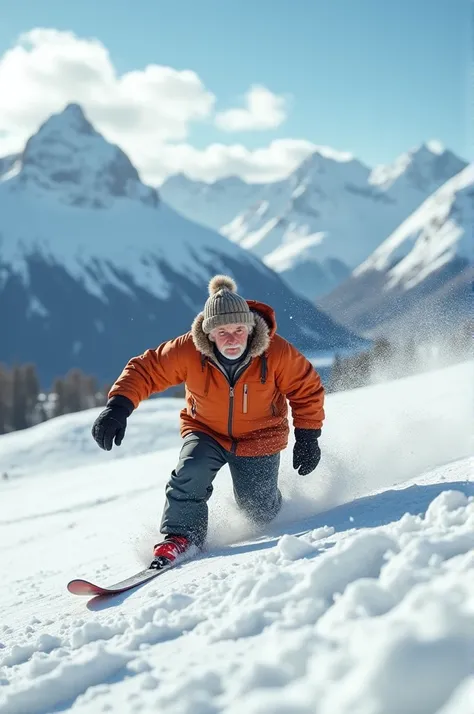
x=328 y=211
x=94 y=267
x=419 y=279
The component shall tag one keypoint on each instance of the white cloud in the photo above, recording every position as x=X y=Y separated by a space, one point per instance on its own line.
x=435 y=146
x=268 y=163
x=264 y=110
x=147 y=112
x=47 y=69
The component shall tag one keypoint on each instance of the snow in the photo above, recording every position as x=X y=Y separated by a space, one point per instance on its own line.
x=68 y=157
x=424 y=168
x=36 y=307
x=294 y=251
x=212 y=204
x=332 y=194
x=78 y=202
x=313 y=199
x=438 y=231
x=13 y=170
x=330 y=153
x=359 y=597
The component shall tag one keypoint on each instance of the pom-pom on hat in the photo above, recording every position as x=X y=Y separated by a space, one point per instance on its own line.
x=224 y=305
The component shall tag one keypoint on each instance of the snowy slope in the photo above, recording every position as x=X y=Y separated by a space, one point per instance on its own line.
x=365 y=607
x=93 y=264
x=420 y=276
x=432 y=236
x=323 y=220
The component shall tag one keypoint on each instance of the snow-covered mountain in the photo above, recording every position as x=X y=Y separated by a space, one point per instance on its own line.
x=328 y=216
x=94 y=268
x=420 y=279
x=211 y=204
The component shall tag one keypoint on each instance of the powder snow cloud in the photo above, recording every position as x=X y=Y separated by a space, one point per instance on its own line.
x=148 y=112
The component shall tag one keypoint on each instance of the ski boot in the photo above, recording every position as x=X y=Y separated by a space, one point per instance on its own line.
x=168 y=550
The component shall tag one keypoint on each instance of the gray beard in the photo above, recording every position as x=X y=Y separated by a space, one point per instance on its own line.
x=233 y=357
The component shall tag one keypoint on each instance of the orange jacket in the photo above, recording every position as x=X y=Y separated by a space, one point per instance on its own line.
x=250 y=418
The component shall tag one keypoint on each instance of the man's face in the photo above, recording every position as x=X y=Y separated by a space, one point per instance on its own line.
x=231 y=340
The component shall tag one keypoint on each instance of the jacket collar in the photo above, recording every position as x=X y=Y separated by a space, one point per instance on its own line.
x=259 y=338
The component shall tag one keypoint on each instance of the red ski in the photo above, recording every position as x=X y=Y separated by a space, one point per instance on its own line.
x=85 y=587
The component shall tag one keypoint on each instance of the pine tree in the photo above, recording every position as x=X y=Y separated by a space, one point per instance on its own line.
x=5 y=399
x=19 y=400
x=91 y=392
x=74 y=387
x=32 y=390
x=60 y=398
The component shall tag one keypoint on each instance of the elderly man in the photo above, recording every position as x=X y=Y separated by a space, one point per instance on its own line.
x=238 y=375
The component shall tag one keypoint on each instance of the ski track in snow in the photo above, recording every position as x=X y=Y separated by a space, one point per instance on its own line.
x=359 y=599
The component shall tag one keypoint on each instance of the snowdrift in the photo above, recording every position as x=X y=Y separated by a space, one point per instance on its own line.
x=358 y=598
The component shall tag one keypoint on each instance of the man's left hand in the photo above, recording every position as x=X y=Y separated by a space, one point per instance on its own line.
x=306 y=451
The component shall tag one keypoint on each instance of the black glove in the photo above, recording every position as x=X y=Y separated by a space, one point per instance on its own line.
x=306 y=451
x=112 y=422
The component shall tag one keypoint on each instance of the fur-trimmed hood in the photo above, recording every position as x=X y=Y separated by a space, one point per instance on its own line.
x=263 y=331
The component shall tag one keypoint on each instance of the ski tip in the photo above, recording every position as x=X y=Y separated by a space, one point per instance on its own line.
x=78 y=586
x=83 y=587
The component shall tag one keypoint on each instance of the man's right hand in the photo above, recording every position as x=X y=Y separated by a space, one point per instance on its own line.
x=111 y=423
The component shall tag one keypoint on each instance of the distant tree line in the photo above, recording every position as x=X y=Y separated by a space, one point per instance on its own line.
x=388 y=360
x=24 y=404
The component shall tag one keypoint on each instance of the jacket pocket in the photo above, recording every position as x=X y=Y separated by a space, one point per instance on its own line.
x=245 y=399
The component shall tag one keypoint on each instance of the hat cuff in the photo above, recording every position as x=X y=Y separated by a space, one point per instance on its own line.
x=230 y=318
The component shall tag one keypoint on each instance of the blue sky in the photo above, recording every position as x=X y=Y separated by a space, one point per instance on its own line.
x=367 y=76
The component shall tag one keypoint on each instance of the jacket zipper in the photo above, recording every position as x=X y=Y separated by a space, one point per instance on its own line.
x=245 y=404
x=230 y=417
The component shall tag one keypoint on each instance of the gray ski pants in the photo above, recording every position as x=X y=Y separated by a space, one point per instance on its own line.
x=254 y=478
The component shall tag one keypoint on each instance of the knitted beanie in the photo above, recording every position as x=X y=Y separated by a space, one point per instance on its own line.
x=224 y=306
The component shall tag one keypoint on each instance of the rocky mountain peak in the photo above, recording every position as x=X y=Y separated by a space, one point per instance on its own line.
x=68 y=157
x=425 y=167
